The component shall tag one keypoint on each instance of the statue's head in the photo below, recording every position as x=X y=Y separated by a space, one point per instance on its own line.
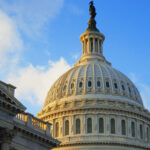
x=91 y=3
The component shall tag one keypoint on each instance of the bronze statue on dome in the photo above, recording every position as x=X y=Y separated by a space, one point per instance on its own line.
x=92 y=10
x=92 y=22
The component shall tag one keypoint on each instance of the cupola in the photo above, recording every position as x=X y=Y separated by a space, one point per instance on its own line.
x=92 y=39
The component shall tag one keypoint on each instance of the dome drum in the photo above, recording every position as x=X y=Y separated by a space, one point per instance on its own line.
x=95 y=110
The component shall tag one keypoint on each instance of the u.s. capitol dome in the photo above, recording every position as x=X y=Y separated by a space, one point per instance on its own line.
x=94 y=106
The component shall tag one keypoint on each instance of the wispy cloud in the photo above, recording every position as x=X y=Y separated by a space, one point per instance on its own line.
x=10 y=41
x=34 y=82
x=31 y=15
x=30 y=18
x=144 y=90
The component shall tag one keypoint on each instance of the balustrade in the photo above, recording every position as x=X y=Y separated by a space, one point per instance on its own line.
x=32 y=121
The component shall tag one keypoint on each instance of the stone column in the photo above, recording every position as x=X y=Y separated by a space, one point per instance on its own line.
x=94 y=45
x=83 y=124
x=107 y=123
x=6 y=138
x=89 y=46
x=98 y=48
x=71 y=125
x=61 y=127
x=95 y=124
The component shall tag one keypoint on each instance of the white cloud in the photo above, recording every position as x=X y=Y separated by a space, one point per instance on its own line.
x=31 y=15
x=144 y=90
x=34 y=82
x=10 y=42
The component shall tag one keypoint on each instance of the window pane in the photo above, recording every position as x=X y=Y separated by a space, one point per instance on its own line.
x=66 y=127
x=78 y=126
x=101 y=125
x=89 y=83
x=141 y=131
x=112 y=125
x=72 y=85
x=80 y=84
x=129 y=89
x=98 y=84
x=133 y=129
x=115 y=85
x=57 y=129
x=64 y=88
x=89 y=125
x=107 y=84
x=123 y=88
x=123 y=125
x=147 y=134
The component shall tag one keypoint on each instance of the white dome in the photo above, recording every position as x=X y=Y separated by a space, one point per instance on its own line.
x=95 y=79
x=94 y=106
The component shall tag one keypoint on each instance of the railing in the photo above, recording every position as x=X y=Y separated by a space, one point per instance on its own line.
x=22 y=117
x=39 y=123
x=34 y=122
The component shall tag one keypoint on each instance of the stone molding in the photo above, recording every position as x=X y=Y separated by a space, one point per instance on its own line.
x=118 y=106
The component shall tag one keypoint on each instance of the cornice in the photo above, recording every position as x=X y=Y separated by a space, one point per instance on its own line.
x=109 y=143
x=94 y=106
x=37 y=136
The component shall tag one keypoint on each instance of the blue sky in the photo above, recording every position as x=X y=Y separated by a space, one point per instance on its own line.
x=39 y=40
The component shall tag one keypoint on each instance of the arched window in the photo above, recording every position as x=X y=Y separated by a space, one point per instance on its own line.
x=72 y=85
x=133 y=129
x=147 y=133
x=89 y=125
x=141 y=131
x=89 y=83
x=56 y=129
x=115 y=85
x=107 y=84
x=129 y=89
x=112 y=126
x=80 y=85
x=67 y=127
x=123 y=88
x=64 y=88
x=78 y=126
x=123 y=127
x=101 y=125
x=98 y=84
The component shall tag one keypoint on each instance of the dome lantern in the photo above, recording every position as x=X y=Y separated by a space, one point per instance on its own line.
x=92 y=39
